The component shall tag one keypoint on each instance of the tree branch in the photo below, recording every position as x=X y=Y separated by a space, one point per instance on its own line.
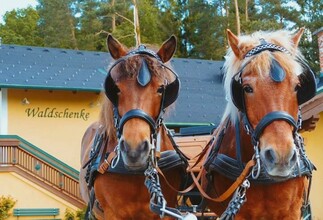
x=102 y=32
x=124 y=18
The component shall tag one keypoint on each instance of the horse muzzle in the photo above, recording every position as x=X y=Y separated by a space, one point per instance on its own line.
x=277 y=165
x=135 y=158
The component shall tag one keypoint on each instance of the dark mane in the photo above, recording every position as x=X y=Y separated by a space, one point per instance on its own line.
x=129 y=68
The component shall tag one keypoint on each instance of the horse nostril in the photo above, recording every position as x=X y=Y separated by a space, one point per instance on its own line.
x=293 y=158
x=124 y=146
x=270 y=156
x=144 y=146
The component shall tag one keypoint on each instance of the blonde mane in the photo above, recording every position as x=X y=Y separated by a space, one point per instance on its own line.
x=261 y=62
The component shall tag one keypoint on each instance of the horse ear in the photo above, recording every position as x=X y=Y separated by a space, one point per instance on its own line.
x=116 y=49
x=233 y=42
x=168 y=49
x=297 y=37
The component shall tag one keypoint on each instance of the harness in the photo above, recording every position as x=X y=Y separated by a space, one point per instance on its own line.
x=168 y=160
x=101 y=161
x=233 y=167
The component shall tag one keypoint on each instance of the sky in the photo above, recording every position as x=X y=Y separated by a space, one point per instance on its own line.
x=8 y=5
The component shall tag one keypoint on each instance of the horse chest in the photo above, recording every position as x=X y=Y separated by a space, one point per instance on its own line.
x=122 y=195
x=275 y=201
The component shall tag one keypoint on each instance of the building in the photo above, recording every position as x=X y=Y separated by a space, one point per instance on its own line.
x=50 y=96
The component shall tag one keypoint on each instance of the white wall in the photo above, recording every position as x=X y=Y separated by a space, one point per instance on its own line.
x=3 y=111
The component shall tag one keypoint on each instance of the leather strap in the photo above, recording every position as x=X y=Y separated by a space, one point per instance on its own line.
x=273 y=116
x=136 y=113
x=188 y=189
x=231 y=189
x=199 y=157
x=196 y=183
x=103 y=149
x=106 y=163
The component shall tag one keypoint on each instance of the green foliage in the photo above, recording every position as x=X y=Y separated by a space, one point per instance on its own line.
x=78 y=215
x=57 y=23
x=6 y=204
x=21 y=27
x=89 y=27
x=149 y=16
x=69 y=215
x=199 y=25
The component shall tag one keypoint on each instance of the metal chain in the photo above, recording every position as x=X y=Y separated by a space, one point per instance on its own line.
x=158 y=203
x=238 y=199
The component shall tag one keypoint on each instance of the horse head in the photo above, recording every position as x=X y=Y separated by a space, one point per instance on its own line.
x=267 y=80
x=140 y=86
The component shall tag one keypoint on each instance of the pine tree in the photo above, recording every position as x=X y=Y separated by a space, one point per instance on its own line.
x=57 y=23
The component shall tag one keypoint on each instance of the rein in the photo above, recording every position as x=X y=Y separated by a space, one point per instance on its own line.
x=238 y=188
x=158 y=204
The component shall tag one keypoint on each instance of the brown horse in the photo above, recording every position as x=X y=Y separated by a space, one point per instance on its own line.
x=129 y=135
x=266 y=81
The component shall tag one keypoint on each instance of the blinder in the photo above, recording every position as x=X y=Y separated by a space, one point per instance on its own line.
x=111 y=89
x=237 y=95
x=306 y=90
x=170 y=91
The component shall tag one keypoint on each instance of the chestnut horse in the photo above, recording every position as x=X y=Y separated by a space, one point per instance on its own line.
x=266 y=80
x=118 y=148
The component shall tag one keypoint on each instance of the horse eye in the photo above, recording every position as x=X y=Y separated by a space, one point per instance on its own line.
x=297 y=87
x=161 y=89
x=247 y=89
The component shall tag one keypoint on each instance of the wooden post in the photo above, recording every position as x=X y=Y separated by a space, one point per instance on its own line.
x=136 y=23
x=237 y=16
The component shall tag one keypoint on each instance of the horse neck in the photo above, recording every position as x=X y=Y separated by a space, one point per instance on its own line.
x=230 y=141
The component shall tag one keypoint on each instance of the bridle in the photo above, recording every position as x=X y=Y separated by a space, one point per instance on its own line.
x=169 y=92
x=234 y=168
x=306 y=91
